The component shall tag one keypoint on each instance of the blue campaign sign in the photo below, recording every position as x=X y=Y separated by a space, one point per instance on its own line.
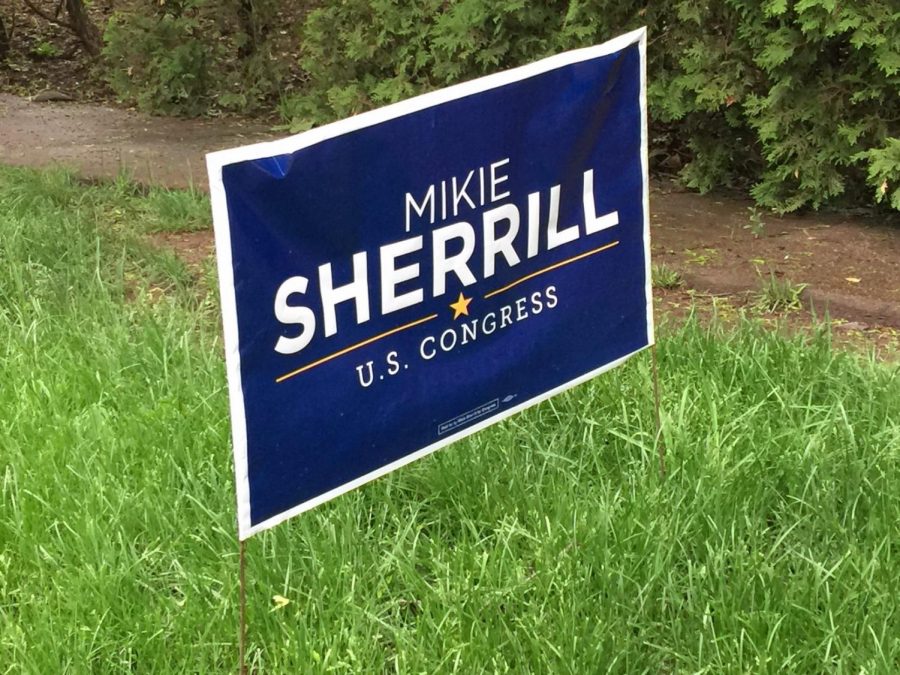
x=400 y=279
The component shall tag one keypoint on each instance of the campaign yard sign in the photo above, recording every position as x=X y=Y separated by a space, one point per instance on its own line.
x=398 y=280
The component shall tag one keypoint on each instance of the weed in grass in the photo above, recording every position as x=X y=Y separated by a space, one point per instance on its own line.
x=546 y=543
x=702 y=258
x=45 y=50
x=755 y=222
x=665 y=276
x=779 y=295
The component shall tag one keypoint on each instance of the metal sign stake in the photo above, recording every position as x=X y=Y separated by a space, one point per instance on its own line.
x=660 y=442
x=242 y=638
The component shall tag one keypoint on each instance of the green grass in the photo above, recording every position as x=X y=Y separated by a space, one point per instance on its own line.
x=547 y=543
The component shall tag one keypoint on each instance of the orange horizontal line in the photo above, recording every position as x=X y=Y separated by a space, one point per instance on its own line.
x=349 y=349
x=554 y=266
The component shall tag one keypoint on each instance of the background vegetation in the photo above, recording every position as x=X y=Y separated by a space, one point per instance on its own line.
x=794 y=100
x=547 y=543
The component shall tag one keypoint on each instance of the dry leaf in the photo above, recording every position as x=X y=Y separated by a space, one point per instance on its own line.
x=853 y=280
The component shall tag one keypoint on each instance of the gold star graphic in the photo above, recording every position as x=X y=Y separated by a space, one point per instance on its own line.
x=461 y=306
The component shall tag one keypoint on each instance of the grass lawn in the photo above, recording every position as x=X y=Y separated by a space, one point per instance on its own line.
x=547 y=543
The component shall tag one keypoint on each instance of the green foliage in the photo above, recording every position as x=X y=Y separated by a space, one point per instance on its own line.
x=45 y=50
x=794 y=99
x=884 y=171
x=795 y=96
x=755 y=222
x=158 y=62
x=190 y=57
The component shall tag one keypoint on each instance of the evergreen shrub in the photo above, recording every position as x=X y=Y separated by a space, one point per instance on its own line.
x=797 y=100
x=192 y=57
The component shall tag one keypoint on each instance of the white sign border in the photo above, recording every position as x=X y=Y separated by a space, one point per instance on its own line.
x=215 y=161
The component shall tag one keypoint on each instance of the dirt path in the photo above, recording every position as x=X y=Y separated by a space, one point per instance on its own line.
x=100 y=141
x=851 y=266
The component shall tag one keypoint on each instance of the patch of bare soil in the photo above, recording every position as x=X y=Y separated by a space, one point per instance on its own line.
x=850 y=265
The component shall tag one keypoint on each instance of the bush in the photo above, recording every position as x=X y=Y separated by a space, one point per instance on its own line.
x=159 y=63
x=803 y=94
x=191 y=57
x=361 y=53
x=794 y=99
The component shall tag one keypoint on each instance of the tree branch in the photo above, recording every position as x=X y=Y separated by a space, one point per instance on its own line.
x=55 y=20
x=79 y=23
x=4 y=40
